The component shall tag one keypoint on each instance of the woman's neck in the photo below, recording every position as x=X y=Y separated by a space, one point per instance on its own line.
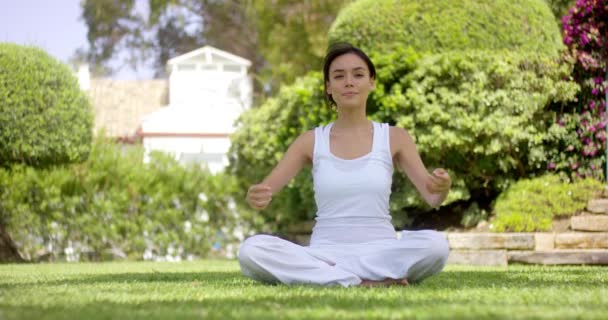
x=351 y=118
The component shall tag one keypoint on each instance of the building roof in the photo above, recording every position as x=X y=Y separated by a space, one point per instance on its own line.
x=208 y=51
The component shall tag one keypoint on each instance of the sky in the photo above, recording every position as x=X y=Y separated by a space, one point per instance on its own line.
x=53 y=25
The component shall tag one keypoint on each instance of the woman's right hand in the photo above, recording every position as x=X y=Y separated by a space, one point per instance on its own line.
x=259 y=196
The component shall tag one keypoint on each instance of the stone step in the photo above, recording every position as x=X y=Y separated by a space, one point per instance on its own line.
x=580 y=240
x=596 y=257
x=478 y=257
x=598 y=205
x=592 y=222
x=512 y=241
x=544 y=241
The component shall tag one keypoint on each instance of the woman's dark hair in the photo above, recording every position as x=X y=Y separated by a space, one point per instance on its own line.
x=337 y=49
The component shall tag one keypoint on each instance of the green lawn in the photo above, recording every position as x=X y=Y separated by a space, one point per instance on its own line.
x=215 y=289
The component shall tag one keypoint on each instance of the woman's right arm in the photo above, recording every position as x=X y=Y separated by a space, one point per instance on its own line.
x=296 y=157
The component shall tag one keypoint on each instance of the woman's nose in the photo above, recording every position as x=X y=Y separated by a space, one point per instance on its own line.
x=348 y=80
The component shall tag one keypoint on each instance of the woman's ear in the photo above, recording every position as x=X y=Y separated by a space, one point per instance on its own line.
x=327 y=88
x=373 y=83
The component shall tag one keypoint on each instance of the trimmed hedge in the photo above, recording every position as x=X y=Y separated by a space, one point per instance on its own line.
x=45 y=118
x=436 y=26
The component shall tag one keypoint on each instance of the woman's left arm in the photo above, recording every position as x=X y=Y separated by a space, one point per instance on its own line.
x=433 y=187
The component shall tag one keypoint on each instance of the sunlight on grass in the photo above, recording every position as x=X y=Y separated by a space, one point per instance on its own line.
x=216 y=289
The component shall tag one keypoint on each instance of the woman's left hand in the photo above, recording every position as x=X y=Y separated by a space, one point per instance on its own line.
x=439 y=181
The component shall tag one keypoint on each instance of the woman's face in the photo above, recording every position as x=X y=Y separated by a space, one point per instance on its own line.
x=349 y=81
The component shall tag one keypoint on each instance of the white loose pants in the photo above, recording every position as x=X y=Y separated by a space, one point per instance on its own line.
x=415 y=256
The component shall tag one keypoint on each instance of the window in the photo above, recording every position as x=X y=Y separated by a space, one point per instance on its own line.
x=186 y=67
x=208 y=67
x=232 y=68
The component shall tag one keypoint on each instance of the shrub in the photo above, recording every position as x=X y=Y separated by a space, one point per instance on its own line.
x=437 y=26
x=481 y=115
x=531 y=204
x=45 y=118
x=114 y=206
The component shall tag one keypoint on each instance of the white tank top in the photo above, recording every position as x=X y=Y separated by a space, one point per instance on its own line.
x=352 y=196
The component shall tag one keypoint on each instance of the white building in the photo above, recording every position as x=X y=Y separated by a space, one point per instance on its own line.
x=208 y=90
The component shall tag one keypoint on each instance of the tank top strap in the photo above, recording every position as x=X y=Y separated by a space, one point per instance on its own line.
x=376 y=140
x=382 y=141
x=320 y=148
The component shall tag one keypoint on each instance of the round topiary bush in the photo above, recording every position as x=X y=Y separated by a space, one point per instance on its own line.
x=435 y=26
x=45 y=118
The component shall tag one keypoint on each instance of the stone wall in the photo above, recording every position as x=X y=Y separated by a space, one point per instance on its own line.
x=585 y=242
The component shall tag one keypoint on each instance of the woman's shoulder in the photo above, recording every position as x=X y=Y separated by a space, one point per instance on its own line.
x=305 y=141
x=398 y=132
x=400 y=139
x=308 y=135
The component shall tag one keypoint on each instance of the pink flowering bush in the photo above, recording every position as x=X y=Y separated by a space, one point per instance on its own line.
x=582 y=153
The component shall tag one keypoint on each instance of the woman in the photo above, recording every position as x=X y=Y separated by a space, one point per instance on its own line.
x=353 y=242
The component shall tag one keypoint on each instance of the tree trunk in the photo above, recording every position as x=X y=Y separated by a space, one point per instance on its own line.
x=8 y=249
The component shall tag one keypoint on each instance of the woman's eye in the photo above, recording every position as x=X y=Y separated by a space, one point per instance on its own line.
x=338 y=77
x=359 y=75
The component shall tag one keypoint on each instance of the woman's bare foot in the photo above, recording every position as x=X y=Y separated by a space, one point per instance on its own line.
x=384 y=283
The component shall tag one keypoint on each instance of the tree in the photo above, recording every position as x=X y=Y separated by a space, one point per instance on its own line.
x=292 y=36
x=260 y=31
x=109 y=22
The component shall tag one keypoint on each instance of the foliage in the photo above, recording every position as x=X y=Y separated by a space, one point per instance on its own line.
x=292 y=36
x=44 y=117
x=437 y=26
x=263 y=137
x=531 y=204
x=480 y=114
x=582 y=153
x=114 y=206
x=107 y=22
x=472 y=215
x=215 y=289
